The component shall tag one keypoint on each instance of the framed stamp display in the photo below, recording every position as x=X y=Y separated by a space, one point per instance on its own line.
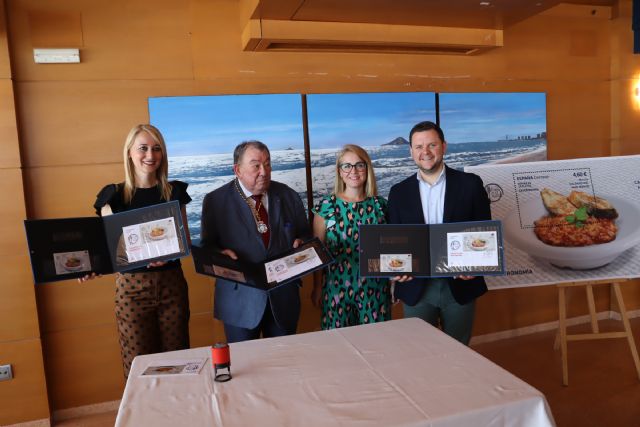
x=68 y=248
x=275 y=271
x=432 y=250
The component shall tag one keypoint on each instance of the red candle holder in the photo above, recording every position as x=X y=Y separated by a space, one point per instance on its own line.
x=221 y=359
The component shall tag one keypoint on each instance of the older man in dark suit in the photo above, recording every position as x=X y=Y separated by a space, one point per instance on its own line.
x=434 y=195
x=253 y=218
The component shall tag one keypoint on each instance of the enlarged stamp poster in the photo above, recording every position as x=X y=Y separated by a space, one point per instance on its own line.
x=566 y=220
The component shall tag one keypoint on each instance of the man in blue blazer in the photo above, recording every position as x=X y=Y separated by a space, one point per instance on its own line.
x=253 y=218
x=437 y=194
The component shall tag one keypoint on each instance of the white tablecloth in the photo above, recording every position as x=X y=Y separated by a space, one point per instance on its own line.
x=397 y=373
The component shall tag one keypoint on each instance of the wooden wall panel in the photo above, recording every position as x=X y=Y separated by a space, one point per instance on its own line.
x=204 y=330
x=200 y=289
x=631 y=295
x=88 y=125
x=18 y=316
x=83 y=366
x=625 y=68
x=23 y=398
x=74 y=118
x=63 y=192
x=71 y=305
x=9 y=147
x=310 y=316
x=12 y=212
x=121 y=40
x=586 y=107
x=5 y=63
x=55 y=29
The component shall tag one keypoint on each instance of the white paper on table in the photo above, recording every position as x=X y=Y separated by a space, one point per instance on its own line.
x=298 y=263
x=472 y=249
x=151 y=239
x=173 y=367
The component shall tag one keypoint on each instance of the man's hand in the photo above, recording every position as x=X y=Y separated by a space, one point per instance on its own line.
x=392 y=289
x=465 y=277
x=297 y=243
x=230 y=253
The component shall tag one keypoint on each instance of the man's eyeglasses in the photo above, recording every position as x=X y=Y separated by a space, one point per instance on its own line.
x=346 y=167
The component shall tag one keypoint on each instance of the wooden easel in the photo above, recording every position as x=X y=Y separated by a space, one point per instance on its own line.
x=595 y=334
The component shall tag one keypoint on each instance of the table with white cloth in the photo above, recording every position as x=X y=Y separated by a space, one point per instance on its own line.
x=397 y=373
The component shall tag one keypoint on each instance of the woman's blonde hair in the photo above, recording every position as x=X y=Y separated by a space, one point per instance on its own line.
x=370 y=186
x=162 y=172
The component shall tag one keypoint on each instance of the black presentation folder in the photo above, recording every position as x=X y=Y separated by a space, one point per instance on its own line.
x=275 y=271
x=68 y=248
x=432 y=250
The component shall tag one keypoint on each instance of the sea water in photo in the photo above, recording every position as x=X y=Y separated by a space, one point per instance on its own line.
x=392 y=163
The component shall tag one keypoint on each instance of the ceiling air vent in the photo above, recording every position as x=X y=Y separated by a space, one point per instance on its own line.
x=305 y=36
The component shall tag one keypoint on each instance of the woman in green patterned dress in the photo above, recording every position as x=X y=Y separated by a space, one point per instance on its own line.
x=345 y=298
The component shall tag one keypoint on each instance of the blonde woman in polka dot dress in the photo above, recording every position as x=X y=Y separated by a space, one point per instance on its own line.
x=152 y=303
x=347 y=299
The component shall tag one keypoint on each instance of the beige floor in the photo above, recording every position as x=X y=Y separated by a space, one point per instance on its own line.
x=603 y=390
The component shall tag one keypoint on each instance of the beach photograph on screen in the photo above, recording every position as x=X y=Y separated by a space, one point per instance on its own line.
x=479 y=128
x=494 y=127
x=201 y=132
x=378 y=122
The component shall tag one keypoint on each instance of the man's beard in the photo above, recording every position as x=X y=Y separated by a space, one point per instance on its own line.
x=434 y=168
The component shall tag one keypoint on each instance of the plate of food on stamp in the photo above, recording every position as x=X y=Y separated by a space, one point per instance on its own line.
x=157 y=233
x=576 y=230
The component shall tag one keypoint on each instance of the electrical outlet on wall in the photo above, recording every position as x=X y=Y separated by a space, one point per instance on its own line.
x=5 y=372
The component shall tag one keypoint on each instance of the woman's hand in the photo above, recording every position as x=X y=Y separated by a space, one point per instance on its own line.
x=156 y=264
x=87 y=277
x=401 y=279
x=465 y=277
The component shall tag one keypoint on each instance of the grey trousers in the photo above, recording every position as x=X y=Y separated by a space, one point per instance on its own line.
x=438 y=307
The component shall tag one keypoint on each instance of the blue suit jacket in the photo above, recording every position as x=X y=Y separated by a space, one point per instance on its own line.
x=227 y=223
x=465 y=199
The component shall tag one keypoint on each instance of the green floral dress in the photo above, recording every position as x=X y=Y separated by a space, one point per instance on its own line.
x=347 y=299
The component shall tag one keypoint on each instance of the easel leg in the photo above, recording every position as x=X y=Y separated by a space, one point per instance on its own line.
x=627 y=327
x=562 y=326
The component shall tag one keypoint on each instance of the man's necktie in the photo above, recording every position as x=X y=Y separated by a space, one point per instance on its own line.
x=262 y=216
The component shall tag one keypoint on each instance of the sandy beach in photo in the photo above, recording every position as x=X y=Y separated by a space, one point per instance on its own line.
x=538 y=155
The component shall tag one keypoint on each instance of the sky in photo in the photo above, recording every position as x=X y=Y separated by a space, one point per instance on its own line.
x=478 y=117
x=197 y=125
x=366 y=119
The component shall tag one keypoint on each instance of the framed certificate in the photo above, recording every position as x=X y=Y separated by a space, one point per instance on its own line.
x=67 y=248
x=432 y=250
x=279 y=270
